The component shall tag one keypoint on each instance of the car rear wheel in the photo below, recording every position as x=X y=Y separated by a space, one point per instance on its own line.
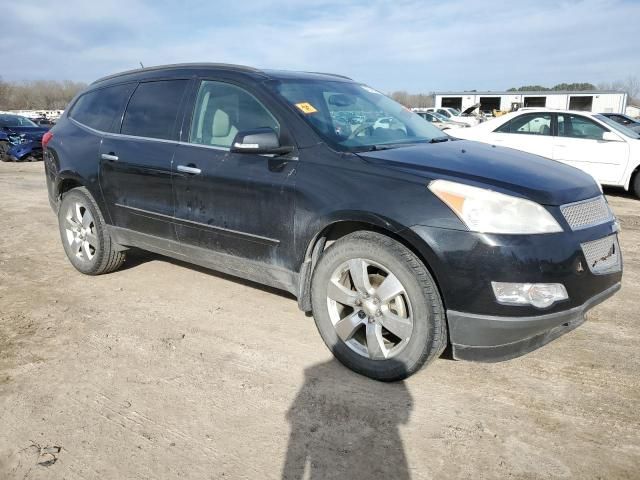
x=86 y=241
x=377 y=306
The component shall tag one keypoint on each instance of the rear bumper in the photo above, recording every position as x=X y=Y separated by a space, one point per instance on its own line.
x=495 y=338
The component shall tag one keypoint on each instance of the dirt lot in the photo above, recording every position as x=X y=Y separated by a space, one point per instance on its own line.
x=163 y=370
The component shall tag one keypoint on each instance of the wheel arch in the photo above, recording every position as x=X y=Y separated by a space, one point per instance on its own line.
x=635 y=171
x=339 y=228
x=68 y=182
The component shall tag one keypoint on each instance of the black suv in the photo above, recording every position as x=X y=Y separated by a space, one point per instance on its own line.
x=399 y=239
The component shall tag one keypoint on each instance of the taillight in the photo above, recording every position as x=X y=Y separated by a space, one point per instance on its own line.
x=46 y=138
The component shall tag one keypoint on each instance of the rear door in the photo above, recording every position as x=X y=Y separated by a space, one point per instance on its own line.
x=135 y=164
x=579 y=143
x=529 y=132
x=96 y=113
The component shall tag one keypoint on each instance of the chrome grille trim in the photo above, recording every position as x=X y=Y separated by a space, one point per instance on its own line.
x=603 y=255
x=587 y=213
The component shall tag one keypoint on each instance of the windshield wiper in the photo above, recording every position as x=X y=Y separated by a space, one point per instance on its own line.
x=439 y=139
x=374 y=148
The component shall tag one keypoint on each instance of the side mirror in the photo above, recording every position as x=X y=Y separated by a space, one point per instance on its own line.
x=258 y=141
x=611 y=137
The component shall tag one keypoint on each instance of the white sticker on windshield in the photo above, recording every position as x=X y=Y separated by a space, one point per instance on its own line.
x=369 y=89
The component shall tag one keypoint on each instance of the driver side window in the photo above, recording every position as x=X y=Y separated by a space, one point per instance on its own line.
x=222 y=110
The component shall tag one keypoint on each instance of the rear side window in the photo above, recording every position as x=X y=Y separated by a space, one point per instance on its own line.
x=529 y=124
x=153 y=109
x=102 y=109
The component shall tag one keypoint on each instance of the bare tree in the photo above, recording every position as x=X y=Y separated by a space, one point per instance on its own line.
x=413 y=100
x=36 y=95
x=630 y=85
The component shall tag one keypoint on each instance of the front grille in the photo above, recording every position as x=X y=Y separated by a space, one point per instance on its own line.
x=587 y=213
x=603 y=255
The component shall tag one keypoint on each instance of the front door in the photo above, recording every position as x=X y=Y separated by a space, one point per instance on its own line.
x=580 y=144
x=238 y=205
x=135 y=168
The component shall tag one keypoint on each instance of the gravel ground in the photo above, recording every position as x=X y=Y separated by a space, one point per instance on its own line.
x=164 y=370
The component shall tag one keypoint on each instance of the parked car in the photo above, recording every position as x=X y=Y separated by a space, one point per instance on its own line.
x=625 y=120
x=20 y=139
x=456 y=115
x=440 y=121
x=608 y=151
x=399 y=241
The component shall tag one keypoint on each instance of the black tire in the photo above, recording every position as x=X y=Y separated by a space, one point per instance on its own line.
x=635 y=184
x=4 y=148
x=105 y=257
x=429 y=336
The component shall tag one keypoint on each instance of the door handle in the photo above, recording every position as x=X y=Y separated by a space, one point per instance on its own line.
x=187 y=169
x=109 y=156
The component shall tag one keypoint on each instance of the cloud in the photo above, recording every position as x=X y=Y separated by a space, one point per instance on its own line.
x=406 y=44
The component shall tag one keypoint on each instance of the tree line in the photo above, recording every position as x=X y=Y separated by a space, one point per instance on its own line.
x=38 y=94
x=53 y=95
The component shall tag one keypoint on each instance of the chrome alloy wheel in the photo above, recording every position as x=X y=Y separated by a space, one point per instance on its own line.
x=370 y=309
x=80 y=230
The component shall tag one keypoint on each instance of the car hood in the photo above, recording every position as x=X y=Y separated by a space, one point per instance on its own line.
x=468 y=111
x=513 y=172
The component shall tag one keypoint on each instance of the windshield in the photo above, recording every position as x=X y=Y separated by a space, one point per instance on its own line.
x=15 y=121
x=353 y=117
x=455 y=111
x=616 y=126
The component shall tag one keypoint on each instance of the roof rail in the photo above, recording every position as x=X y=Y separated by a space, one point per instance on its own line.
x=222 y=66
x=331 y=75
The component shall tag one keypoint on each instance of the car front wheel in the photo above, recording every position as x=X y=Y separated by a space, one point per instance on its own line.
x=377 y=306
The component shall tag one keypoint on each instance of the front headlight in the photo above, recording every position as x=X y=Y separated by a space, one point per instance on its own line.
x=486 y=211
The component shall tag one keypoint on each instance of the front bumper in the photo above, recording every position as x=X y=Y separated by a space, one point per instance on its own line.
x=465 y=263
x=493 y=338
x=20 y=152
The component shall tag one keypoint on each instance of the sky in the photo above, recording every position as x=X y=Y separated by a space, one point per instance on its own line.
x=413 y=45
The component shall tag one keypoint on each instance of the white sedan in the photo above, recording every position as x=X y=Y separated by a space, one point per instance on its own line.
x=591 y=142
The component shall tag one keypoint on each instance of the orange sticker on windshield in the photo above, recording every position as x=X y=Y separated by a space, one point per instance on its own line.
x=306 y=108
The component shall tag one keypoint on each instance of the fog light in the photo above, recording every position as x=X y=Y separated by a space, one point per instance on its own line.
x=540 y=295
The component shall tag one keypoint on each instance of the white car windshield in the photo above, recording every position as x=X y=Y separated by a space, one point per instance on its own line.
x=354 y=117
x=617 y=126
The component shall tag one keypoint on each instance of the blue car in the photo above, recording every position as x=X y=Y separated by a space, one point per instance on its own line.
x=20 y=139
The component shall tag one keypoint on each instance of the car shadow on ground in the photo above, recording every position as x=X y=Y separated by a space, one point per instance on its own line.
x=136 y=257
x=346 y=426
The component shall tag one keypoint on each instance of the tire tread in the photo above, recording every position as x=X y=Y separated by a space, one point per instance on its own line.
x=438 y=336
x=111 y=259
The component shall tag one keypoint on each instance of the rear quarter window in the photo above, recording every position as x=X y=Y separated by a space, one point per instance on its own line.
x=153 y=109
x=102 y=109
